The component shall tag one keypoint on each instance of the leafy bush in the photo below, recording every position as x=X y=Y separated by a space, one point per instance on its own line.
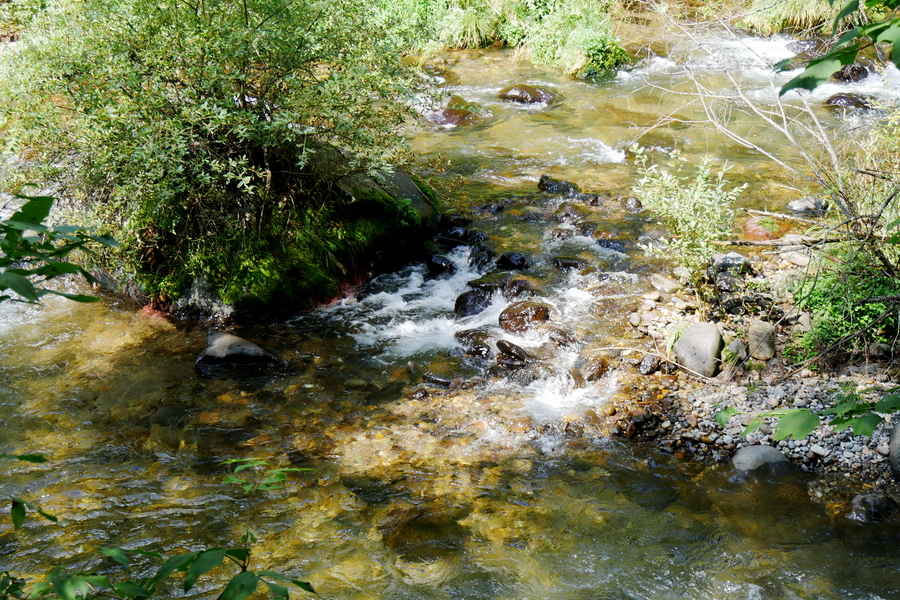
x=697 y=211
x=207 y=134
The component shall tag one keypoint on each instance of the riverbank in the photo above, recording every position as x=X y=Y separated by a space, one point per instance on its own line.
x=683 y=421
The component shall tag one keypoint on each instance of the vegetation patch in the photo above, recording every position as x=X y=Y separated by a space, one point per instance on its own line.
x=207 y=137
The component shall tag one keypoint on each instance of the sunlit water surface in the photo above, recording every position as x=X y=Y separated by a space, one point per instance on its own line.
x=499 y=490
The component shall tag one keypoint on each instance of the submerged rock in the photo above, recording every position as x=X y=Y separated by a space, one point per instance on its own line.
x=853 y=101
x=556 y=186
x=894 y=455
x=226 y=350
x=872 y=508
x=527 y=94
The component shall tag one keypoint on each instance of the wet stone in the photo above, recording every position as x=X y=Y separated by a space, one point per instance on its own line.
x=471 y=303
x=566 y=263
x=510 y=349
x=527 y=94
x=522 y=316
x=440 y=265
x=872 y=508
x=557 y=186
x=512 y=261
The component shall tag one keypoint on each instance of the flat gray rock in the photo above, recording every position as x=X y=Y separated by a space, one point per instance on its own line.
x=698 y=349
x=228 y=349
x=664 y=284
x=750 y=458
x=761 y=340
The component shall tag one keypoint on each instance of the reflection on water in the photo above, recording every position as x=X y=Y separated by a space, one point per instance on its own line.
x=495 y=490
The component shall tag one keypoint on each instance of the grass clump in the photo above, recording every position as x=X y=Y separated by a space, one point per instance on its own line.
x=575 y=36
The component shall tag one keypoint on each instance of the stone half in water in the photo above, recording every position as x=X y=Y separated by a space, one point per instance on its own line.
x=228 y=354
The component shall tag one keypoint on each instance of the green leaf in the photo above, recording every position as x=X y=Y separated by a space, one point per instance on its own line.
x=797 y=424
x=20 y=285
x=304 y=585
x=130 y=589
x=241 y=586
x=17 y=512
x=752 y=426
x=888 y=404
x=240 y=554
x=278 y=591
x=118 y=555
x=723 y=415
x=821 y=69
x=866 y=424
x=204 y=563
x=179 y=562
x=34 y=211
x=848 y=8
x=47 y=516
x=55 y=269
x=75 y=297
x=32 y=458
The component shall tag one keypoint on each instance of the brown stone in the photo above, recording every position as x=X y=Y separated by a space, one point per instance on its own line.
x=595 y=369
x=522 y=316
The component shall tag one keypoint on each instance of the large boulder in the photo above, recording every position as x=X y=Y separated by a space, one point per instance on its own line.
x=750 y=458
x=698 y=349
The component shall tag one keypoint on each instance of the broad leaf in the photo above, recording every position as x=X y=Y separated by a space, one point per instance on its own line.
x=75 y=297
x=176 y=563
x=888 y=404
x=723 y=415
x=17 y=511
x=204 y=563
x=241 y=554
x=278 y=591
x=129 y=589
x=47 y=516
x=34 y=211
x=820 y=70
x=848 y=8
x=241 y=586
x=304 y=585
x=796 y=424
x=866 y=424
x=32 y=458
x=118 y=555
x=20 y=285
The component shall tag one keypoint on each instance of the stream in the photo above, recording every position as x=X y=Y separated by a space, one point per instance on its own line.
x=502 y=488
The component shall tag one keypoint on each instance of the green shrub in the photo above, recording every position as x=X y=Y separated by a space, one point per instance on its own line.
x=207 y=135
x=840 y=298
x=697 y=211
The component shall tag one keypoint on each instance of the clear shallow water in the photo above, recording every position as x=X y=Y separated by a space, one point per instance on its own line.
x=499 y=490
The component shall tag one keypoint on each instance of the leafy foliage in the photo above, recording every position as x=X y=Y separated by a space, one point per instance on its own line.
x=573 y=35
x=191 y=565
x=844 y=300
x=851 y=410
x=208 y=134
x=850 y=42
x=697 y=212
x=33 y=253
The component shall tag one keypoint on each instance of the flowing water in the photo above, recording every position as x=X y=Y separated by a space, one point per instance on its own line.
x=501 y=488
